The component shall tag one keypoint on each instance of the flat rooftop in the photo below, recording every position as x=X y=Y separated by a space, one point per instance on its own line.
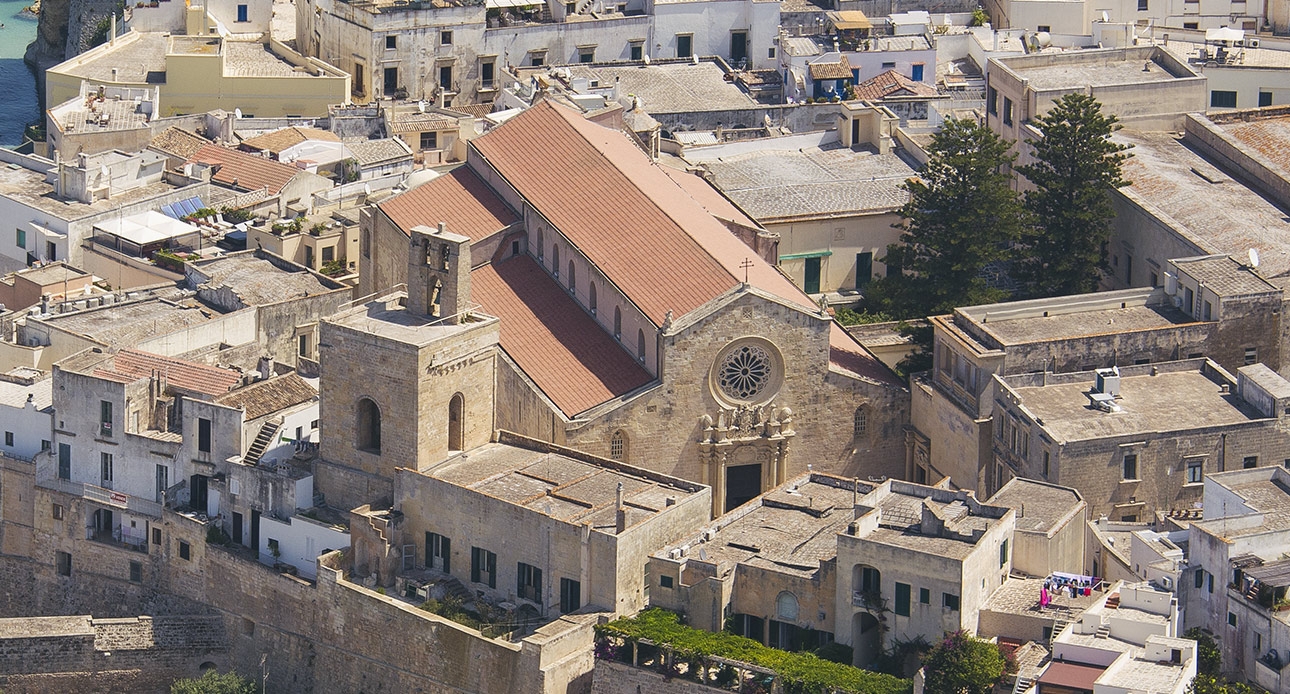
x=1170 y=401
x=73 y=116
x=1265 y=490
x=1065 y=318
x=1095 y=68
x=257 y=281
x=901 y=506
x=566 y=489
x=1020 y=596
x=1208 y=207
x=141 y=58
x=1225 y=276
x=799 y=177
x=670 y=87
x=29 y=187
x=1040 y=506
x=125 y=325
x=15 y=394
x=388 y=317
x=791 y=529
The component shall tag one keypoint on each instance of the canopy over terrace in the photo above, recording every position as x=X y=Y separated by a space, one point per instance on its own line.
x=142 y=234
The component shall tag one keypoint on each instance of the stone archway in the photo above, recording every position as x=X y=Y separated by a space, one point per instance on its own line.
x=866 y=639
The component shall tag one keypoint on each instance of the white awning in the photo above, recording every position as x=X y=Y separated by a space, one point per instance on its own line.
x=149 y=227
x=1225 y=34
x=503 y=4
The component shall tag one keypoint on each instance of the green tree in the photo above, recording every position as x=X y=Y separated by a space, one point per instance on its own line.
x=214 y=683
x=1209 y=660
x=961 y=664
x=1076 y=166
x=961 y=215
x=1209 y=684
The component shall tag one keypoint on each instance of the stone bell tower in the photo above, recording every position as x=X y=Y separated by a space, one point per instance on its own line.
x=439 y=273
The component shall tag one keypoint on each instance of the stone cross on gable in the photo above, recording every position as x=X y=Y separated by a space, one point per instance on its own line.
x=747 y=263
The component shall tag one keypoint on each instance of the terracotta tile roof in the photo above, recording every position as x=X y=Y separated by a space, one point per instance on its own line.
x=849 y=355
x=892 y=83
x=571 y=358
x=460 y=199
x=267 y=397
x=178 y=143
x=647 y=234
x=244 y=171
x=475 y=110
x=838 y=70
x=130 y=365
x=279 y=140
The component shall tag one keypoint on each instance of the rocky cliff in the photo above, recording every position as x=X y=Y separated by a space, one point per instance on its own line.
x=66 y=29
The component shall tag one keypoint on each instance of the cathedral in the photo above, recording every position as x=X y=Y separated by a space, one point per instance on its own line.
x=563 y=286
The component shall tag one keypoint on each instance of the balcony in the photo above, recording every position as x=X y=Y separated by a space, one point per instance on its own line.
x=105 y=497
x=869 y=600
x=116 y=539
x=105 y=429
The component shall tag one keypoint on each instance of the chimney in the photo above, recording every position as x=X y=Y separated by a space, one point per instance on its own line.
x=620 y=516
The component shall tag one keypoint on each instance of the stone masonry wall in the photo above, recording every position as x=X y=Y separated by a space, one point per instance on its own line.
x=82 y=654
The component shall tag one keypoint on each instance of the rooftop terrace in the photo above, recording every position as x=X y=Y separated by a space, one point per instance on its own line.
x=580 y=490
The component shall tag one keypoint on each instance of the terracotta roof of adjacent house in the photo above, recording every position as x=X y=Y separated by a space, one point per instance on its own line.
x=178 y=143
x=421 y=122
x=460 y=199
x=130 y=365
x=244 y=171
x=474 y=110
x=847 y=354
x=838 y=70
x=892 y=83
x=272 y=395
x=625 y=213
x=557 y=344
x=279 y=140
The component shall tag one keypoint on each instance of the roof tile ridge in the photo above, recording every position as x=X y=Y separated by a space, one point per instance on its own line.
x=632 y=181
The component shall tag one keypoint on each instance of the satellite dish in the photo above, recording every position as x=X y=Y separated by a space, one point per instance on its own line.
x=367 y=189
x=1254 y=257
x=237 y=113
x=694 y=59
x=703 y=555
x=645 y=58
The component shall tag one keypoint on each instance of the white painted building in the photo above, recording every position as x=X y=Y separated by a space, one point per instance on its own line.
x=456 y=54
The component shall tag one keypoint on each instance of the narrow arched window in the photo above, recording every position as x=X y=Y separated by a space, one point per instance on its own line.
x=573 y=284
x=640 y=345
x=592 y=298
x=456 y=422
x=618 y=323
x=618 y=445
x=786 y=607
x=861 y=423
x=555 y=260
x=369 y=426
x=540 y=244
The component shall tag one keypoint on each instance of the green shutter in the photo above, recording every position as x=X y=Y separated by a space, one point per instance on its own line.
x=902 y=599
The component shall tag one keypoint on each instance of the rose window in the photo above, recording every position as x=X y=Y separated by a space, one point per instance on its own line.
x=744 y=373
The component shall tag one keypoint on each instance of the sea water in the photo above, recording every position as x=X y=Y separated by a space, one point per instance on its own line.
x=18 y=104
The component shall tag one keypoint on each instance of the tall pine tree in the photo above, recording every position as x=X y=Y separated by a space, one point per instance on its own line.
x=1076 y=164
x=961 y=216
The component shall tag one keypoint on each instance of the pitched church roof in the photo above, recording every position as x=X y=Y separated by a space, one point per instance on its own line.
x=575 y=362
x=644 y=231
x=460 y=199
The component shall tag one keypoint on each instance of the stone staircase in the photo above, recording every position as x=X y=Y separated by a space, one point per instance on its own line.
x=1059 y=625
x=262 y=440
x=1023 y=685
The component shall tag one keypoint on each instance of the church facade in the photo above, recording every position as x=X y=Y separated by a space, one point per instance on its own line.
x=631 y=323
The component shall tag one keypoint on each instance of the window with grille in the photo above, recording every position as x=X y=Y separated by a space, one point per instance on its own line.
x=617 y=445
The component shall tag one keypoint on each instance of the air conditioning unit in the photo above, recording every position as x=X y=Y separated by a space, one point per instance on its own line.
x=1178 y=301
x=1167 y=582
x=1251 y=43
